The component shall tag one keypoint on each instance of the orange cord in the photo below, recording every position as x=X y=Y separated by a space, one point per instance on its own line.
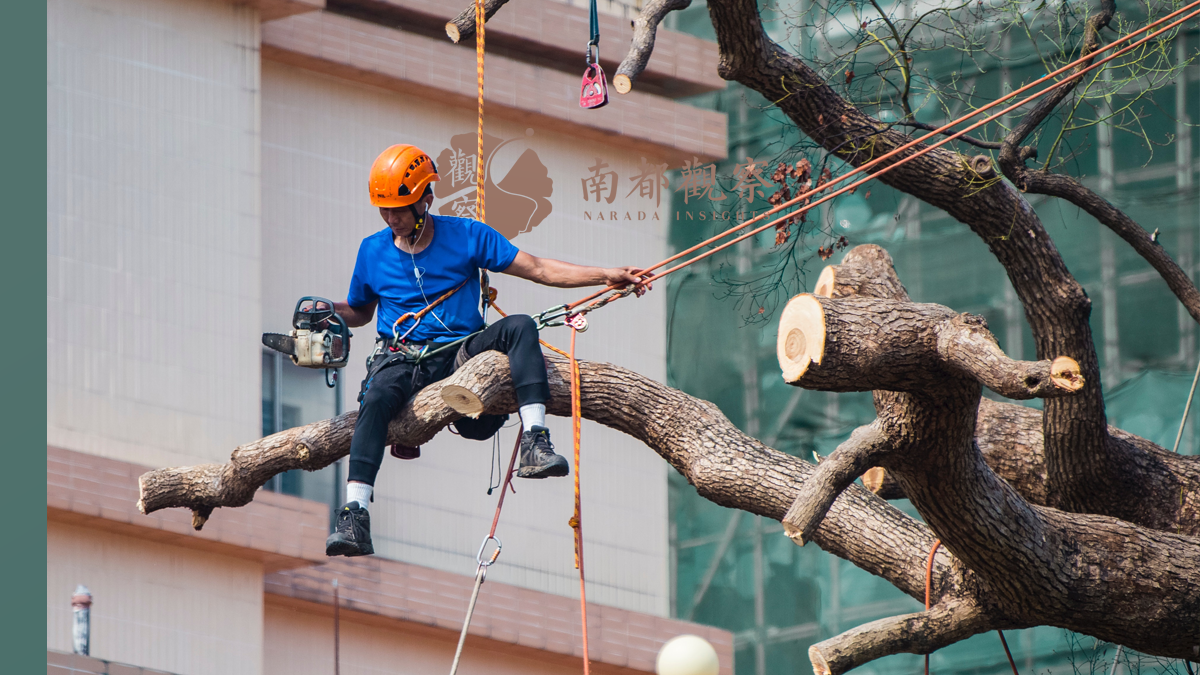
x=804 y=196
x=577 y=519
x=928 y=577
x=480 y=19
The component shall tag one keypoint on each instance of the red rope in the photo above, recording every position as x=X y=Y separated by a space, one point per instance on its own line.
x=506 y=486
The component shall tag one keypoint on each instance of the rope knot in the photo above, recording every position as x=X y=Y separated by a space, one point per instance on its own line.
x=574 y=523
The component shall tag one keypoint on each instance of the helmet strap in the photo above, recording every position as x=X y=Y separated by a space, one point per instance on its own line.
x=418 y=220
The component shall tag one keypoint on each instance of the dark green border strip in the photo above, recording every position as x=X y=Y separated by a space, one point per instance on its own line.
x=23 y=280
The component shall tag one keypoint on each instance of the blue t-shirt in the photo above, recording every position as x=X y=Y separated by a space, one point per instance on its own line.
x=460 y=247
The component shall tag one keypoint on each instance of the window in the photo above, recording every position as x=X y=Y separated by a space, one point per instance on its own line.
x=292 y=397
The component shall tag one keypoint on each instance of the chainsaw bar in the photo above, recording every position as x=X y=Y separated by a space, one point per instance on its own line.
x=280 y=343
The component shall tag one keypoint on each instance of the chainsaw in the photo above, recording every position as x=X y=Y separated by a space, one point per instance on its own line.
x=320 y=337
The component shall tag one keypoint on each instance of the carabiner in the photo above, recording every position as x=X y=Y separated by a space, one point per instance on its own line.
x=495 y=554
x=589 y=57
x=396 y=339
x=546 y=319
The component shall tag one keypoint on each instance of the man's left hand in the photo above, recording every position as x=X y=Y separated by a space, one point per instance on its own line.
x=623 y=276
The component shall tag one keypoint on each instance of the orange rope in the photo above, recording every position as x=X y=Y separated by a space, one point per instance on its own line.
x=928 y=577
x=480 y=19
x=803 y=196
x=576 y=420
x=577 y=519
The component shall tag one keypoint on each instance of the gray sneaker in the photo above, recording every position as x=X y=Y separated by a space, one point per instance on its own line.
x=538 y=459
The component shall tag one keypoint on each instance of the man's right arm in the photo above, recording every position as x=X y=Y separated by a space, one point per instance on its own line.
x=356 y=316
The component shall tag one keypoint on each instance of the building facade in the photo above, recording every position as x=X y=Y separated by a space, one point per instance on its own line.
x=208 y=162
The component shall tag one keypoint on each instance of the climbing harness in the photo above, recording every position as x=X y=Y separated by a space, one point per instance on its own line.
x=398 y=338
x=593 y=91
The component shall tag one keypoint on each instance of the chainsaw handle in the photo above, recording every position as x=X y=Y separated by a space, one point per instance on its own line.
x=308 y=319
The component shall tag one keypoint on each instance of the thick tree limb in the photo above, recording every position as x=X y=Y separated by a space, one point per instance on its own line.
x=645 y=27
x=833 y=475
x=919 y=633
x=726 y=466
x=463 y=25
x=1082 y=475
x=1038 y=561
x=1010 y=436
x=913 y=346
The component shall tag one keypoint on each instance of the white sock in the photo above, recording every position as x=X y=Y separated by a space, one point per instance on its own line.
x=359 y=492
x=533 y=414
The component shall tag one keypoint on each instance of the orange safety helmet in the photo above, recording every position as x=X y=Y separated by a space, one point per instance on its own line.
x=400 y=175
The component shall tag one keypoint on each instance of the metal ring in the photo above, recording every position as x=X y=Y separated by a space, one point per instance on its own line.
x=495 y=554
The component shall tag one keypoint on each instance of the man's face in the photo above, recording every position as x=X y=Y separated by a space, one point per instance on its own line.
x=400 y=218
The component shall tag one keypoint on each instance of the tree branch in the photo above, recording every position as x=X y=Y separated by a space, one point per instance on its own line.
x=1039 y=562
x=918 y=633
x=967 y=346
x=833 y=475
x=1070 y=189
x=911 y=348
x=986 y=145
x=1012 y=163
x=463 y=26
x=645 y=27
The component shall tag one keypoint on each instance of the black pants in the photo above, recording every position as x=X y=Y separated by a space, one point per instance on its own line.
x=387 y=389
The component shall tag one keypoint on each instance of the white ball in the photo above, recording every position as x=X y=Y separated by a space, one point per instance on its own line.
x=687 y=655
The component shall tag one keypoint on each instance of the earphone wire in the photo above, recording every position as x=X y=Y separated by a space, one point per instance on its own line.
x=418 y=274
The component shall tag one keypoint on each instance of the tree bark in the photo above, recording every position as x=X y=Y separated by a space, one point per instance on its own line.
x=1076 y=571
x=734 y=470
x=463 y=26
x=645 y=27
x=1010 y=436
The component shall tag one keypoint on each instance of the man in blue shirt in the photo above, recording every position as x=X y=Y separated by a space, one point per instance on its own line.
x=405 y=268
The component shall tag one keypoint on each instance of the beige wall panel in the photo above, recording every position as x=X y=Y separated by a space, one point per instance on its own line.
x=153 y=228
x=299 y=643
x=320 y=136
x=156 y=606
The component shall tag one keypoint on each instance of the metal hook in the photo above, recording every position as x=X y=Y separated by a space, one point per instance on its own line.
x=495 y=554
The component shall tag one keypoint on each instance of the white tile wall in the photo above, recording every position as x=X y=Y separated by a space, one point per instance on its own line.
x=156 y=606
x=320 y=135
x=302 y=642
x=153 y=228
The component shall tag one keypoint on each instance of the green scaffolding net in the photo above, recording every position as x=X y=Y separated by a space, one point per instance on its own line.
x=737 y=571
